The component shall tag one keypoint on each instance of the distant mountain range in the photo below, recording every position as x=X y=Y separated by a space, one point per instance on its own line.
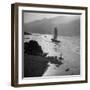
x=67 y=26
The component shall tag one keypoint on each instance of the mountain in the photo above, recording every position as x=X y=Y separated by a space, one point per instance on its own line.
x=67 y=26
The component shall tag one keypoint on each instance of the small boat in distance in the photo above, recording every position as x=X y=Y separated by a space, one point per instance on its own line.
x=54 y=39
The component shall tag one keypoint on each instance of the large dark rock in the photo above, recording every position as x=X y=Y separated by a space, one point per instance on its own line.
x=33 y=48
x=35 y=63
x=34 y=66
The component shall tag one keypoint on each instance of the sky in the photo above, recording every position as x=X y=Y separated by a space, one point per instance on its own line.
x=30 y=17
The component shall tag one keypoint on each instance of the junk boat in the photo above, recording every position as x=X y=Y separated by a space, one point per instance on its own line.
x=54 y=39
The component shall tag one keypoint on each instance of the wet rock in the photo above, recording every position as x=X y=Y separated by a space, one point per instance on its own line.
x=67 y=69
x=61 y=57
x=54 y=60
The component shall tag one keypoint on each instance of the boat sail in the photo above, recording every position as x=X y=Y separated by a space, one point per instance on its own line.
x=55 y=35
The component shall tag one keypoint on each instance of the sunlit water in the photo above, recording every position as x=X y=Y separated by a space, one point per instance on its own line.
x=69 y=47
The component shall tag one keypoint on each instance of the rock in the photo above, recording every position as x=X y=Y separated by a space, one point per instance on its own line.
x=26 y=33
x=34 y=66
x=67 y=69
x=33 y=48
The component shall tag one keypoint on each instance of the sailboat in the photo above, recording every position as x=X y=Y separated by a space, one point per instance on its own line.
x=54 y=39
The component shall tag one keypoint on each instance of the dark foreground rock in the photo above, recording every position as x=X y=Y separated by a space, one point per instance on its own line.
x=36 y=61
x=34 y=66
x=33 y=48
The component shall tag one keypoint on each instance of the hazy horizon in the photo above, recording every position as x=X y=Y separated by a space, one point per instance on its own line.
x=44 y=23
x=31 y=17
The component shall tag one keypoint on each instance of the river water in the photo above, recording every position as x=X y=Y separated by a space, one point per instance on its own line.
x=69 y=47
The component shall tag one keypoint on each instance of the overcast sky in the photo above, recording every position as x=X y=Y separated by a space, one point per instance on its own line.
x=30 y=17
